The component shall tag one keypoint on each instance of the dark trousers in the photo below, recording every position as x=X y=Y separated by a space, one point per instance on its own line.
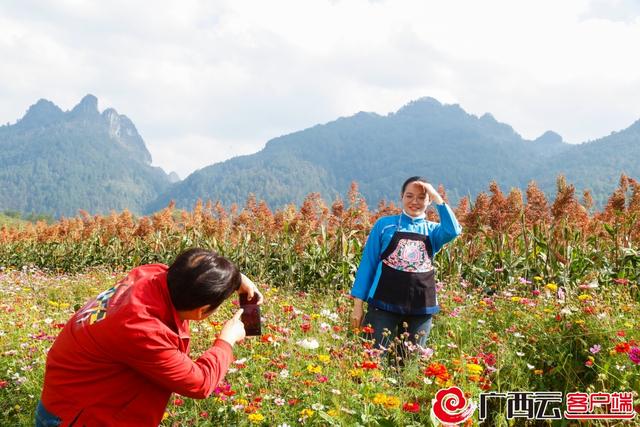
x=387 y=326
x=44 y=418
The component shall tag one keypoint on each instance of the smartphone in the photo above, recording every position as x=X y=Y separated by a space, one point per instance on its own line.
x=250 y=315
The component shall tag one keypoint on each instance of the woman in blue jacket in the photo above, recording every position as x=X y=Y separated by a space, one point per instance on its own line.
x=396 y=276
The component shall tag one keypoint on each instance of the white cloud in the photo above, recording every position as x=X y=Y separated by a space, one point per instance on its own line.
x=205 y=80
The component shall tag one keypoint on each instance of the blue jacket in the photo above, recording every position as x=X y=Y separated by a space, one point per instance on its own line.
x=380 y=236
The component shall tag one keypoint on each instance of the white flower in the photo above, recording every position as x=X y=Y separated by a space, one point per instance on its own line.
x=518 y=335
x=324 y=327
x=279 y=401
x=330 y=315
x=530 y=366
x=335 y=391
x=240 y=361
x=48 y=320
x=519 y=353
x=482 y=322
x=317 y=406
x=284 y=374
x=309 y=343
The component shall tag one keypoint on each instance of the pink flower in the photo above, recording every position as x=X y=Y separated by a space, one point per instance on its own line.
x=634 y=355
x=595 y=349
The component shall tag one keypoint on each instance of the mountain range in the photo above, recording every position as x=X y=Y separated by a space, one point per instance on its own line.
x=57 y=162
x=440 y=142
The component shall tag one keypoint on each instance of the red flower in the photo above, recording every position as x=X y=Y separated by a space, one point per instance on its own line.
x=268 y=338
x=287 y=309
x=204 y=414
x=488 y=358
x=322 y=378
x=368 y=364
x=620 y=333
x=413 y=407
x=178 y=402
x=588 y=363
x=623 y=347
x=293 y=402
x=305 y=327
x=368 y=330
x=337 y=328
x=3 y=384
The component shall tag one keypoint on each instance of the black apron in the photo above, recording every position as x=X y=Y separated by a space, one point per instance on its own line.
x=407 y=282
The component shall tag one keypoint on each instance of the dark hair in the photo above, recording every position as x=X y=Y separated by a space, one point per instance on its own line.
x=199 y=277
x=410 y=180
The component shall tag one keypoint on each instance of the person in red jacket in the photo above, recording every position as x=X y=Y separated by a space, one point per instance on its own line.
x=119 y=358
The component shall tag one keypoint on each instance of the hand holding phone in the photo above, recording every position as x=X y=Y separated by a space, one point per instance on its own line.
x=250 y=315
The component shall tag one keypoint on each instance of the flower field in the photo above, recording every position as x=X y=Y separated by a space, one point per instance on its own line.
x=535 y=296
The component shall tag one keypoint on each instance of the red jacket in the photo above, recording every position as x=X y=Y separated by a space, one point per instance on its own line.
x=119 y=358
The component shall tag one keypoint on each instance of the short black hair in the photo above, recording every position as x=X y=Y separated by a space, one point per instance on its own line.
x=412 y=179
x=199 y=277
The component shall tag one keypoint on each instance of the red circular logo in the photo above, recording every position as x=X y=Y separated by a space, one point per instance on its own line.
x=451 y=407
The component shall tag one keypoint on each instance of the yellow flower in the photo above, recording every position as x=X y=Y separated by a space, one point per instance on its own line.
x=241 y=401
x=355 y=373
x=324 y=358
x=537 y=278
x=332 y=413
x=584 y=297
x=579 y=322
x=628 y=325
x=256 y=417
x=53 y=304
x=515 y=299
x=314 y=316
x=165 y=416
x=314 y=369
x=306 y=412
x=379 y=399
x=64 y=305
x=552 y=287
x=538 y=371
x=474 y=369
x=386 y=401
x=482 y=303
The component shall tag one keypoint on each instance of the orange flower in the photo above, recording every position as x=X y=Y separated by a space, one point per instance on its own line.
x=437 y=370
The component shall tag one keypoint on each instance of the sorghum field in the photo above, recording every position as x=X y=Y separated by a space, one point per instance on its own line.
x=537 y=295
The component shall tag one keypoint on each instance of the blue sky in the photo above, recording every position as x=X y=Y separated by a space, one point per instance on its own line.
x=207 y=80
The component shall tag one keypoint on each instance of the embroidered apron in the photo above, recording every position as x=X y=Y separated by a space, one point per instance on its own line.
x=407 y=282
